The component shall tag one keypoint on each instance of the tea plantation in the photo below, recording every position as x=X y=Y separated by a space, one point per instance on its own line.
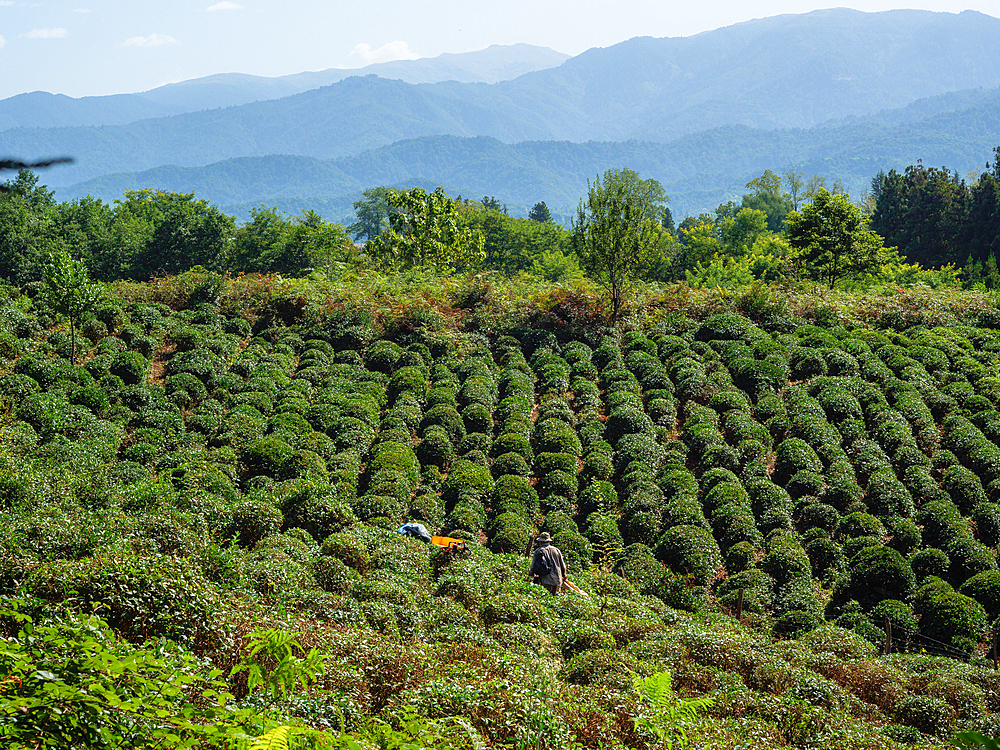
x=198 y=539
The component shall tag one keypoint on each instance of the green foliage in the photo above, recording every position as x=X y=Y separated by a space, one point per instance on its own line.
x=667 y=715
x=71 y=684
x=617 y=231
x=424 y=230
x=833 y=238
x=273 y=663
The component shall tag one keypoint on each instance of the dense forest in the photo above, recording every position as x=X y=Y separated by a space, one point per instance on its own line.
x=771 y=462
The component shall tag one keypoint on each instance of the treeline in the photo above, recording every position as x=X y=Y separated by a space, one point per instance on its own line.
x=935 y=217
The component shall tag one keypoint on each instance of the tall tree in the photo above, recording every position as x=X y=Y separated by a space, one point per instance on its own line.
x=540 y=212
x=424 y=230
x=373 y=213
x=175 y=231
x=617 y=231
x=68 y=291
x=833 y=238
x=28 y=228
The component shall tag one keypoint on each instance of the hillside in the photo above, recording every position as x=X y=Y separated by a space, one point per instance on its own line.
x=794 y=71
x=752 y=489
x=699 y=171
x=43 y=110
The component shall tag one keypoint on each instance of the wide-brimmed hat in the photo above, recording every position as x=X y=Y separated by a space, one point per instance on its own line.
x=544 y=537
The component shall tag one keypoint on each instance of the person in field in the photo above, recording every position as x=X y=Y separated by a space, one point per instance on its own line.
x=548 y=568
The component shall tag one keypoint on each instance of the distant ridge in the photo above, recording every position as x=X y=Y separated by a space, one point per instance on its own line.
x=781 y=88
x=40 y=109
x=699 y=171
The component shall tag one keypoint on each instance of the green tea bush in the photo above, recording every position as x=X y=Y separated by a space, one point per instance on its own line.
x=931 y=716
x=986 y=518
x=964 y=488
x=887 y=497
x=510 y=531
x=941 y=523
x=878 y=573
x=690 y=550
x=555 y=436
x=955 y=621
x=510 y=463
x=141 y=598
x=968 y=558
x=904 y=535
x=448 y=418
x=984 y=588
x=733 y=524
x=252 y=521
x=794 y=455
x=929 y=562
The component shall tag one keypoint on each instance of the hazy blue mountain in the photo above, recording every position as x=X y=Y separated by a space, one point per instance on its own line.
x=791 y=71
x=42 y=110
x=699 y=170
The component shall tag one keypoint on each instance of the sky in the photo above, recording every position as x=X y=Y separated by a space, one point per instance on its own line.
x=98 y=47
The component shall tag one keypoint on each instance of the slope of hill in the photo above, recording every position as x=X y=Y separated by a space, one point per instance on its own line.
x=699 y=171
x=43 y=110
x=795 y=521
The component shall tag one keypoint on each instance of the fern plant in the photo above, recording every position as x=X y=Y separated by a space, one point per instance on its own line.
x=668 y=716
x=272 y=662
x=976 y=741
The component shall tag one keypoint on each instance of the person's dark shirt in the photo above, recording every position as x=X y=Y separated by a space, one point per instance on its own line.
x=547 y=565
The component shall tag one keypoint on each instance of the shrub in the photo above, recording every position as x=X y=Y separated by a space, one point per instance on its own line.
x=964 y=487
x=986 y=517
x=733 y=524
x=514 y=494
x=825 y=557
x=985 y=589
x=929 y=562
x=904 y=535
x=141 y=598
x=968 y=558
x=131 y=367
x=887 y=497
x=510 y=532
x=598 y=496
x=448 y=418
x=953 y=619
x=941 y=523
x=805 y=482
x=820 y=516
x=510 y=463
x=252 y=521
x=879 y=573
x=690 y=550
x=435 y=449
x=349 y=549
x=794 y=455
x=466 y=480
x=555 y=436
x=270 y=457
x=930 y=715
x=477 y=418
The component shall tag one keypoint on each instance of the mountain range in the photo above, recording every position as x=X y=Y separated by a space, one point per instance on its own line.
x=40 y=109
x=836 y=92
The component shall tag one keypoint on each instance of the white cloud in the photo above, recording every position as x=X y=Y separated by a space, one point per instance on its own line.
x=153 y=40
x=386 y=53
x=3 y=42
x=6 y=3
x=224 y=6
x=56 y=33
